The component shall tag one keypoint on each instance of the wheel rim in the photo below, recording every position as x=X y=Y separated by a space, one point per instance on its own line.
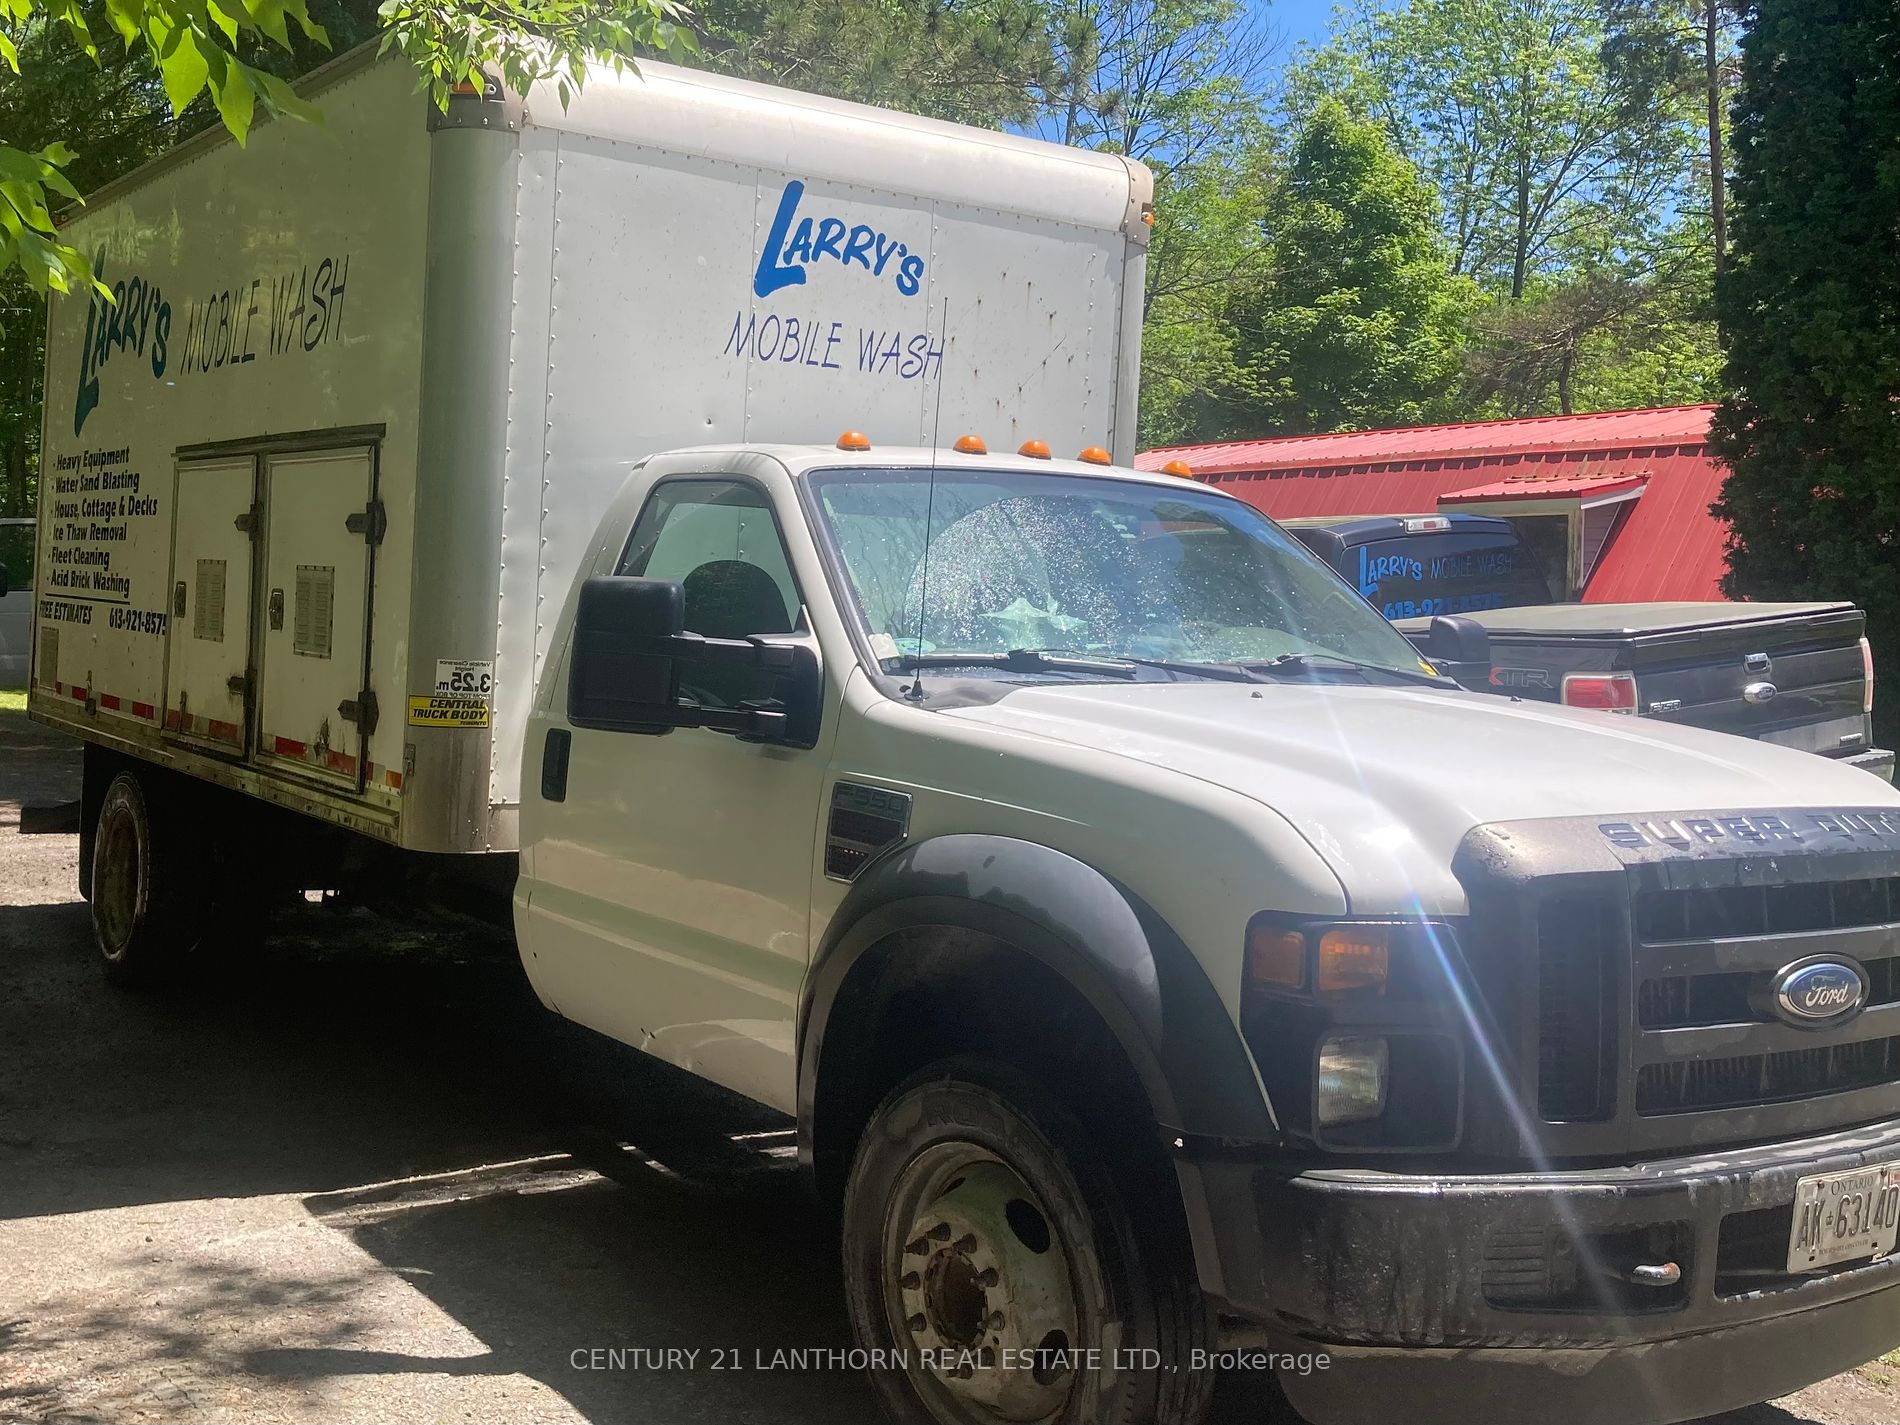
x=115 y=880
x=977 y=1282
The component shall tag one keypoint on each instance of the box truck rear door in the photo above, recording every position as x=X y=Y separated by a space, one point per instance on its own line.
x=208 y=636
x=316 y=609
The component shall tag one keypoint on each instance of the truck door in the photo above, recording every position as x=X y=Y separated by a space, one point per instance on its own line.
x=321 y=526
x=208 y=635
x=672 y=897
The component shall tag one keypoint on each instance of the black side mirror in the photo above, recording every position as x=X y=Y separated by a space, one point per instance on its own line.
x=1461 y=647
x=629 y=650
x=622 y=671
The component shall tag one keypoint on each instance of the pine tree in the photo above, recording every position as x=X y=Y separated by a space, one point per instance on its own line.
x=1358 y=321
x=1810 y=315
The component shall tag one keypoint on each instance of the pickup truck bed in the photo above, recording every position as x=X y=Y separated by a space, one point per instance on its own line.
x=1794 y=674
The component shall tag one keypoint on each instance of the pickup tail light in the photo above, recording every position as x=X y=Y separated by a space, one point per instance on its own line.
x=1606 y=692
x=1866 y=676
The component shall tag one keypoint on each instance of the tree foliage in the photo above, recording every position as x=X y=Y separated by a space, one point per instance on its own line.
x=1357 y=319
x=211 y=47
x=1810 y=313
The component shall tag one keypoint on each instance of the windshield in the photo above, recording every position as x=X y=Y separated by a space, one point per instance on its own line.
x=1091 y=565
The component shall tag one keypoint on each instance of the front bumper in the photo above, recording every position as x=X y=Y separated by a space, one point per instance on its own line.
x=1473 y=1297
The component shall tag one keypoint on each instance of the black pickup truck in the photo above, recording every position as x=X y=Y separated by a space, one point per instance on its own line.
x=1799 y=675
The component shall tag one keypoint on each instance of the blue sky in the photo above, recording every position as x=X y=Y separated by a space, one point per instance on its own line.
x=1298 y=19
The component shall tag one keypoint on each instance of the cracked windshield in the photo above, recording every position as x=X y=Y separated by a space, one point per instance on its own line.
x=1086 y=566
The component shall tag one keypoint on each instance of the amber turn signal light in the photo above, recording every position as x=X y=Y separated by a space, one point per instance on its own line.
x=1276 y=956
x=1354 y=959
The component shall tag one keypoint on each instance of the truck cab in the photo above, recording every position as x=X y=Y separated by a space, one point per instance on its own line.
x=1161 y=960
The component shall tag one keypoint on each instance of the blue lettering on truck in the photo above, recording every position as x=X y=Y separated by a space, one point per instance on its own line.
x=796 y=243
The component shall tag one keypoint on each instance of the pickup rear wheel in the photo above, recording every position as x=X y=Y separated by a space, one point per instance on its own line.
x=995 y=1274
x=139 y=892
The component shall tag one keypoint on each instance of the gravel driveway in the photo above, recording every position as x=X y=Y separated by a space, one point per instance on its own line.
x=362 y=1176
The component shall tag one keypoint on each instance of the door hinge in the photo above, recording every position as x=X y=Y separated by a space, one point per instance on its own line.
x=371 y=522
x=360 y=710
x=250 y=522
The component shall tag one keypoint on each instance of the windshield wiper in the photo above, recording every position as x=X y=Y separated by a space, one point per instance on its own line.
x=1332 y=663
x=1022 y=660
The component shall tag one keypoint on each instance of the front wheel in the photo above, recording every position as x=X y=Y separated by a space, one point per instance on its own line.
x=995 y=1274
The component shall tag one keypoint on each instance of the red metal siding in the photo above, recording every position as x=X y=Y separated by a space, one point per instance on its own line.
x=1670 y=547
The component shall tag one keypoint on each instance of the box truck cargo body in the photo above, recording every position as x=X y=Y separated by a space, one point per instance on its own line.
x=319 y=475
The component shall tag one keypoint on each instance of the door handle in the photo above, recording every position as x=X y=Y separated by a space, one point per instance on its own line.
x=178 y=599
x=276 y=609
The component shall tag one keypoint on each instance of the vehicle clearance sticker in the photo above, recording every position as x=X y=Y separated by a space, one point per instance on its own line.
x=467 y=676
x=448 y=710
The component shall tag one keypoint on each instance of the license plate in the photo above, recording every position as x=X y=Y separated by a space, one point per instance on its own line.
x=1842 y=1217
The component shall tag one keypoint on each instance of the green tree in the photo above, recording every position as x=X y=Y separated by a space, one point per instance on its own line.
x=1655 y=49
x=1810 y=314
x=970 y=61
x=1358 y=320
x=1541 y=154
x=210 y=47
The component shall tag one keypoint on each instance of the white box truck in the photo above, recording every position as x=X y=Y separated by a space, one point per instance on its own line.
x=315 y=484
x=1164 y=967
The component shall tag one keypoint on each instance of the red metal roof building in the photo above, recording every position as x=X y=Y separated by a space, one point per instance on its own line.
x=1634 y=487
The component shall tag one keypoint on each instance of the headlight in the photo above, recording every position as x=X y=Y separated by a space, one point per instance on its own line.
x=1353 y=1071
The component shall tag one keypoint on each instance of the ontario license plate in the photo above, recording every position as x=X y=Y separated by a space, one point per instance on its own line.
x=1843 y=1217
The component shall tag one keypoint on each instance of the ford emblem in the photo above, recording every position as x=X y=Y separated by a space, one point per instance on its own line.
x=1819 y=991
x=1758 y=693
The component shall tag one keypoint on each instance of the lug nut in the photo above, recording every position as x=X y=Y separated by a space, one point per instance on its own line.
x=916 y=1323
x=941 y=1232
x=967 y=1243
x=987 y=1277
x=917 y=1248
x=911 y=1281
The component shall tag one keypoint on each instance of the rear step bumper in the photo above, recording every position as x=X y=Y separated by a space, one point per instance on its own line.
x=1878 y=761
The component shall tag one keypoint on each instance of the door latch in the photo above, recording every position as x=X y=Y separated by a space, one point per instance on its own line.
x=360 y=710
x=371 y=522
x=240 y=684
x=178 y=599
x=276 y=609
x=250 y=522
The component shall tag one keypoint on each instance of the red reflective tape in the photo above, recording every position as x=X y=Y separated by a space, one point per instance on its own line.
x=174 y=720
x=109 y=701
x=59 y=687
x=79 y=695
x=284 y=747
x=144 y=710
x=226 y=731
x=393 y=777
x=341 y=762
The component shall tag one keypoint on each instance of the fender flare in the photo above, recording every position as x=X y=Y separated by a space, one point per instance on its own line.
x=1104 y=941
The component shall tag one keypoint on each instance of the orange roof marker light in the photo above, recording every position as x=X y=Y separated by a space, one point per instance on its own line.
x=854 y=440
x=1034 y=449
x=971 y=445
x=1178 y=467
x=1095 y=455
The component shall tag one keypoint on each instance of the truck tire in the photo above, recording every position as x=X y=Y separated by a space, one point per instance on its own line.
x=140 y=888
x=995 y=1273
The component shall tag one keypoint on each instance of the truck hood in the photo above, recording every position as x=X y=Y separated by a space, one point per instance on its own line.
x=1385 y=782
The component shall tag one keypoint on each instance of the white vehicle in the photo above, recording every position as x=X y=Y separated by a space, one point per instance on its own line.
x=1161 y=962
x=315 y=485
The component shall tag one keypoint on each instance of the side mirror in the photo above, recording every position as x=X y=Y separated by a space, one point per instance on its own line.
x=5 y=583
x=630 y=652
x=1461 y=647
